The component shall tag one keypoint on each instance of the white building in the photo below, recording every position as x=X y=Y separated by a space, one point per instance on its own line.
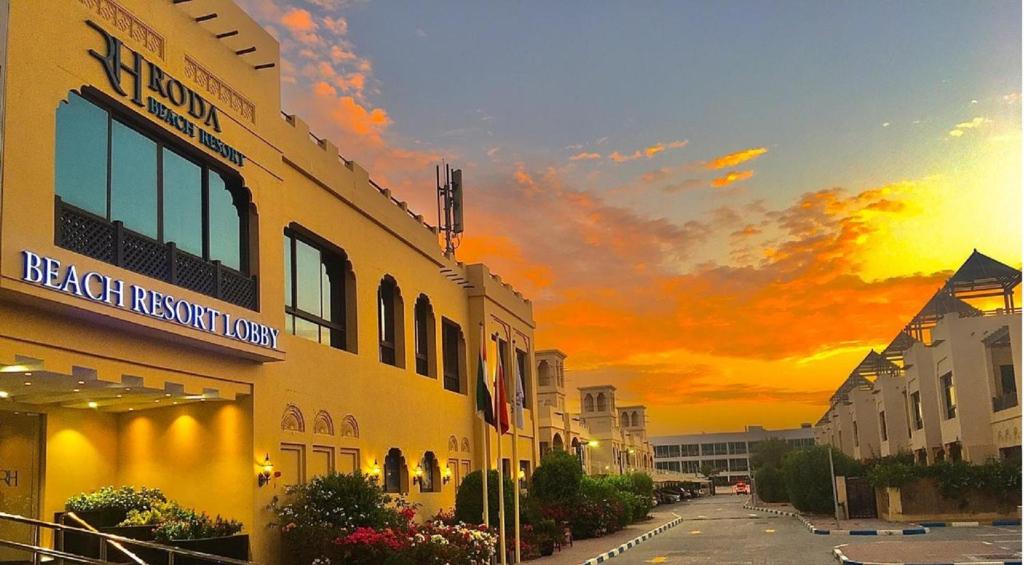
x=727 y=452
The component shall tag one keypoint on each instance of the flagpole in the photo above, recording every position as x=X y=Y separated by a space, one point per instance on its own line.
x=501 y=481
x=486 y=438
x=515 y=449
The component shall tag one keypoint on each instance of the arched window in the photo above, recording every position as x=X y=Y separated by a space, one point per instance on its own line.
x=396 y=475
x=390 y=322
x=602 y=403
x=624 y=420
x=319 y=290
x=577 y=449
x=453 y=355
x=588 y=403
x=162 y=192
x=635 y=420
x=430 y=480
x=556 y=443
x=543 y=374
x=426 y=362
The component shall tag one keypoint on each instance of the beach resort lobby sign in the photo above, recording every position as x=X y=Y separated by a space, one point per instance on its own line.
x=97 y=287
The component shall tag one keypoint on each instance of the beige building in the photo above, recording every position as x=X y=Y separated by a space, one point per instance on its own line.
x=607 y=439
x=948 y=385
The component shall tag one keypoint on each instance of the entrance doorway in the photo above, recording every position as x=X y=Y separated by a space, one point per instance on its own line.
x=21 y=453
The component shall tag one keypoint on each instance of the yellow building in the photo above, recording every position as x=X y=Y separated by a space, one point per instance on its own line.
x=191 y=282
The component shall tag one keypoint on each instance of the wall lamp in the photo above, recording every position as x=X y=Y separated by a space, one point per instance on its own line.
x=418 y=475
x=447 y=476
x=374 y=471
x=266 y=472
x=592 y=443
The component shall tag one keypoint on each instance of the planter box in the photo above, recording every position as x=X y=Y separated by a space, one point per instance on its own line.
x=83 y=544
x=922 y=500
x=235 y=547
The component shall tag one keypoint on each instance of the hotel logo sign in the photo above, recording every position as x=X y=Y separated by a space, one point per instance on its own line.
x=97 y=287
x=169 y=100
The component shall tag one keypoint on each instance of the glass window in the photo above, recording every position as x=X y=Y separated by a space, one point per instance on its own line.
x=949 y=395
x=387 y=321
x=133 y=179
x=451 y=338
x=423 y=328
x=881 y=426
x=915 y=407
x=1007 y=380
x=314 y=292
x=81 y=160
x=225 y=224
x=183 y=203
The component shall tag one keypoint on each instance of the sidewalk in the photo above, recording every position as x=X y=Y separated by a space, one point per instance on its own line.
x=583 y=550
x=826 y=525
x=899 y=552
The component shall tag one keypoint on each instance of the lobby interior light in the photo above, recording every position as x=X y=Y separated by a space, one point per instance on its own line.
x=266 y=471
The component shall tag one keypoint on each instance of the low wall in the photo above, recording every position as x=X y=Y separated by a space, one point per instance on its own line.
x=922 y=500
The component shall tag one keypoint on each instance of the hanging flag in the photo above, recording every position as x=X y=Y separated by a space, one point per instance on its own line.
x=519 y=402
x=484 y=406
x=500 y=401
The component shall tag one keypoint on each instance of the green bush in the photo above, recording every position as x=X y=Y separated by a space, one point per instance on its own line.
x=807 y=478
x=770 y=483
x=313 y=514
x=469 y=500
x=120 y=499
x=189 y=524
x=893 y=474
x=557 y=478
x=769 y=453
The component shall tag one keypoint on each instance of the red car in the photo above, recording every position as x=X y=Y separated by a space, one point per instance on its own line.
x=741 y=488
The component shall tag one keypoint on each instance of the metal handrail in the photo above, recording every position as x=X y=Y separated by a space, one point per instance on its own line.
x=36 y=550
x=171 y=551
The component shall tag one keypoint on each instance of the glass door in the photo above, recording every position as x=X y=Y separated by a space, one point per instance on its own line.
x=20 y=463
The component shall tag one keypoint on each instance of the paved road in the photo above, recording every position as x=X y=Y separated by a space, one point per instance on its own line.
x=719 y=530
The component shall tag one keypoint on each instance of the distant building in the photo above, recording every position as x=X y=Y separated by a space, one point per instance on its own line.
x=947 y=387
x=727 y=452
x=606 y=438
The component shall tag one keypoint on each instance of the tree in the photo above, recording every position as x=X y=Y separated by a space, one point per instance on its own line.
x=557 y=479
x=769 y=453
x=469 y=504
x=709 y=470
x=808 y=482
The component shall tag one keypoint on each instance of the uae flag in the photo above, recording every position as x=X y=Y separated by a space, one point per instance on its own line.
x=484 y=406
x=500 y=402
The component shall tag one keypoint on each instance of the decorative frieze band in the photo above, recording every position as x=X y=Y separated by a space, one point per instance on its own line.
x=126 y=22
x=220 y=91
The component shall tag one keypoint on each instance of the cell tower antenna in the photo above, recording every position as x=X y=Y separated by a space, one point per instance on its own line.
x=449 y=207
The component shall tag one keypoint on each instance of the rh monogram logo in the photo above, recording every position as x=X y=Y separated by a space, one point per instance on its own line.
x=9 y=477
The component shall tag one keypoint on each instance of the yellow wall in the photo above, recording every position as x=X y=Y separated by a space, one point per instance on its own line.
x=208 y=456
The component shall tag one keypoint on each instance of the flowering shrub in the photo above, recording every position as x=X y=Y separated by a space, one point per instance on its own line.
x=120 y=499
x=348 y=519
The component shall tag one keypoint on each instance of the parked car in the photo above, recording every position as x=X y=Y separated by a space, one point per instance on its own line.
x=741 y=488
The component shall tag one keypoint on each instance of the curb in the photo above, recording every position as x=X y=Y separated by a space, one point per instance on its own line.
x=844 y=560
x=916 y=531
x=634 y=542
x=1006 y=522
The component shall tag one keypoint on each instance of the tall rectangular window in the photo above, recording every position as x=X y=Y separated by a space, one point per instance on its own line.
x=856 y=435
x=1008 y=381
x=133 y=195
x=881 y=426
x=915 y=410
x=451 y=345
x=523 y=374
x=183 y=203
x=314 y=291
x=81 y=160
x=948 y=394
x=224 y=224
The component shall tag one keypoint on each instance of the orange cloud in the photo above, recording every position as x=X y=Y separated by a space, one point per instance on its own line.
x=297 y=20
x=585 y=156
x=733 y=159
x=731 y=177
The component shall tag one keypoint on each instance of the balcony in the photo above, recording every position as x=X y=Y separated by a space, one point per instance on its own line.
x=93 y=236
x=1004 y=401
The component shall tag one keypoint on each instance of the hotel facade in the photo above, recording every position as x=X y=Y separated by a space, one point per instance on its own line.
x=192 y=283
x=948 y=386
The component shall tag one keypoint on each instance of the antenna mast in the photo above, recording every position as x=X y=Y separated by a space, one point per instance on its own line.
x=449 y=207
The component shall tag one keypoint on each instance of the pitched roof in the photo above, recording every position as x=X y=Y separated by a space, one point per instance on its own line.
x=981 y=272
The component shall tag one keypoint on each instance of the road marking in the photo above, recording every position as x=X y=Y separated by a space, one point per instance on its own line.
x=752 y=515
x=770 y=531
x=702 y=516
x=694 y=531
x=658 y=559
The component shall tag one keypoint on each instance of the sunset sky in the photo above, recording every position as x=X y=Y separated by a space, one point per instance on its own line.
x=718 y=207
